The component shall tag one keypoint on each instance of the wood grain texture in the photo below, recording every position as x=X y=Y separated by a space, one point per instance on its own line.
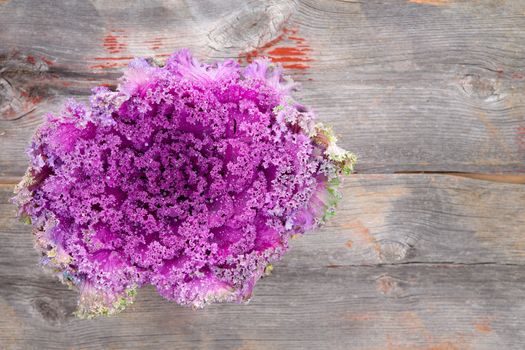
x=409 y=86
x=409 y=262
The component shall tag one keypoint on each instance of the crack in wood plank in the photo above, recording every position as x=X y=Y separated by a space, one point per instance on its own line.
x=512 y=178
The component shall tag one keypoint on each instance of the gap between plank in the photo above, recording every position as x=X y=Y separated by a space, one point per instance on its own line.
x=423 y=263
x=511 y=178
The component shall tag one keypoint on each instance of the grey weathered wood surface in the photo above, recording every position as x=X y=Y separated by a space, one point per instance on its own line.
x=411 y=262
x=435 y=85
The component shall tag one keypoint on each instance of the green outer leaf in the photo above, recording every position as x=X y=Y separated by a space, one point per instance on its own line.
x=325 y=137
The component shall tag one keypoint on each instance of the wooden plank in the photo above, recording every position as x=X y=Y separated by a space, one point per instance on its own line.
x=366 y=308
x=409 y=262
x=410 y=86
x=391 y=219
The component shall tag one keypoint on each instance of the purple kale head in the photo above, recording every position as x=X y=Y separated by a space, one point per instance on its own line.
x=191 y=177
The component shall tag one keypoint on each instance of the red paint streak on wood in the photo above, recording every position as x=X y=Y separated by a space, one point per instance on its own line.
x=296 y=66
x=155 y=43
x=272 y=42
x=287 y=51
x=32 y=99
x=294 y=56
x=47 y=61
x=517 y=76
x=112 y=43
x=349 y=243
x=290 y=30
x=30 y=59
x=290 y=59
x=251 y=55
x=296 y=38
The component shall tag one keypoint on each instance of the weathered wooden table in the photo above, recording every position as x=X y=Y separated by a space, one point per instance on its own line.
x=428 y=248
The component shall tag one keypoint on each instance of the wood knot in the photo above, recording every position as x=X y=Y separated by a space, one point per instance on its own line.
x=249 y=27
x=50 y=310
x=21 y=80
x=393 y=251
x=388 y=286
x=482 y=88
